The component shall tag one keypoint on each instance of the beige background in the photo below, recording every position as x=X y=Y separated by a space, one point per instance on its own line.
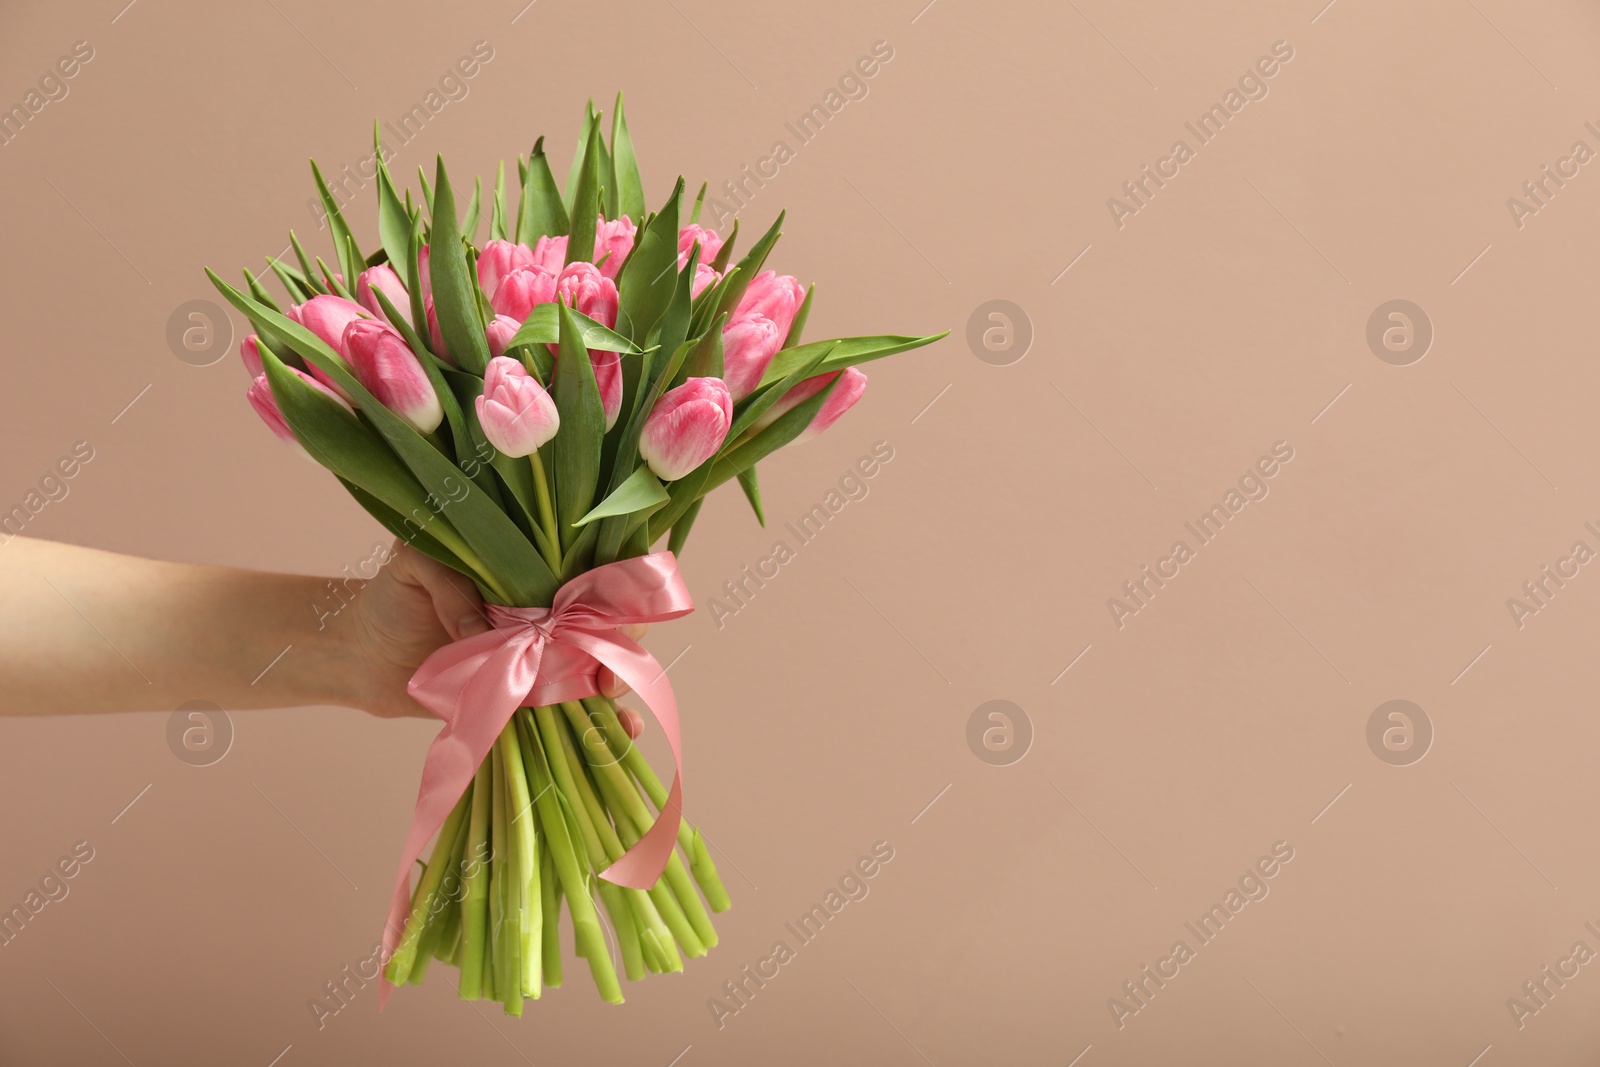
x=1222 y=318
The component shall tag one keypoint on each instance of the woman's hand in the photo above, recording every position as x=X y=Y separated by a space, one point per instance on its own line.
x=398 y=619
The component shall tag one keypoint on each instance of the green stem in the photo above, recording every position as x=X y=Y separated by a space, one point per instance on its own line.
x=623 y=749
x=422 y=902
x=610 y=847
x=550 y=901
x=550 y=732
x=474 y=898
x=505 y=905
x=675 y=900
x=448 y=947
x=547 y=511
x=586 y=932
x=528 y=900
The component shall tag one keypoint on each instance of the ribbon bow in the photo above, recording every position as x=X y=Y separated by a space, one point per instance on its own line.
x=538 y=656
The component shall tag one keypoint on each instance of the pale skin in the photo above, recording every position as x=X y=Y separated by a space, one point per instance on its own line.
x=87 y=631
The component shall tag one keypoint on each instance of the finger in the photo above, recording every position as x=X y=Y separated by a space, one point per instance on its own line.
x=632 y=722
x=455 y=598
x=610 y=685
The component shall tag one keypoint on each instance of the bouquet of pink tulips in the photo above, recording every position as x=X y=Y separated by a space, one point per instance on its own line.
x=538 y=414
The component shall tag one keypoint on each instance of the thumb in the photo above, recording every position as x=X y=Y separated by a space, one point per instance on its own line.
x=455 y=598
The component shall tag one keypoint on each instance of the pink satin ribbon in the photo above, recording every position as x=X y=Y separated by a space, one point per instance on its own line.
x=538 y=656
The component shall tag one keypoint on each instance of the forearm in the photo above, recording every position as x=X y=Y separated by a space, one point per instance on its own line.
x=90 y=631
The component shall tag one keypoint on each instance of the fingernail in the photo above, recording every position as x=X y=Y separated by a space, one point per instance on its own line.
x=472 y=625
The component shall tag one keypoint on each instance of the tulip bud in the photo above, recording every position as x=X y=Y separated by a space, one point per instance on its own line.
x=521 y=291
x=748 y=346
x=704 y=278
x=686 y=427
x=425 y=282
x=550 y=253
x=250 y=352
x=266 y=406
x=327 y=316
x=710 y=243
x=608 y=379
x=384 y=279
x=424 y=275
x=381 y=361
x=498 y=259
x=516 y=413
x=435 y=336
x=842 y=399
x=500 y=332
x=774 y=296
x=589 y=292
x=844 y=395
x=613 y=240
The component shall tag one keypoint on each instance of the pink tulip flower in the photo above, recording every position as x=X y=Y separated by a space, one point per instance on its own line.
x=424 y=275
x=608 y=378
x=425 y=280
x=748 y=346
x=516 y=413
x=704 y=278
x=710 y=243
x=613 y=240
x=327 y=316
x=521 y=291
x=250 y=352
x=774 y=296
x=500 y=333
x=381 y=361
x=498 y=259
x=266 y=406
x=590 y=293
x=384 y=279
x=550 y=253
x=841 y=400
x=843 y=397
x=686 y=427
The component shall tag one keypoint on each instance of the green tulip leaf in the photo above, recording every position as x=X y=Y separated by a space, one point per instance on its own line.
x=396 y=524
x=455 y=301
x=343 y=243
x=758 y=403
x=843 y=352
x=576 y=448
x=541 y=212
x=394 y=222
x=585 y=206
x=752 y=493
x=749 y=267
x=648 y=279
x=640 y=490
x=625 y=177
x=543 y=326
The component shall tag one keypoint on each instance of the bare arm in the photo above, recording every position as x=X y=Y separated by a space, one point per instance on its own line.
x=88 y=631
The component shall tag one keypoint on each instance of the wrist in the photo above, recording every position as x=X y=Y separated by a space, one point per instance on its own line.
x=329 y=665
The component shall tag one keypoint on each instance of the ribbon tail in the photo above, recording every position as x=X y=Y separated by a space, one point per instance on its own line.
x=641 y=866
